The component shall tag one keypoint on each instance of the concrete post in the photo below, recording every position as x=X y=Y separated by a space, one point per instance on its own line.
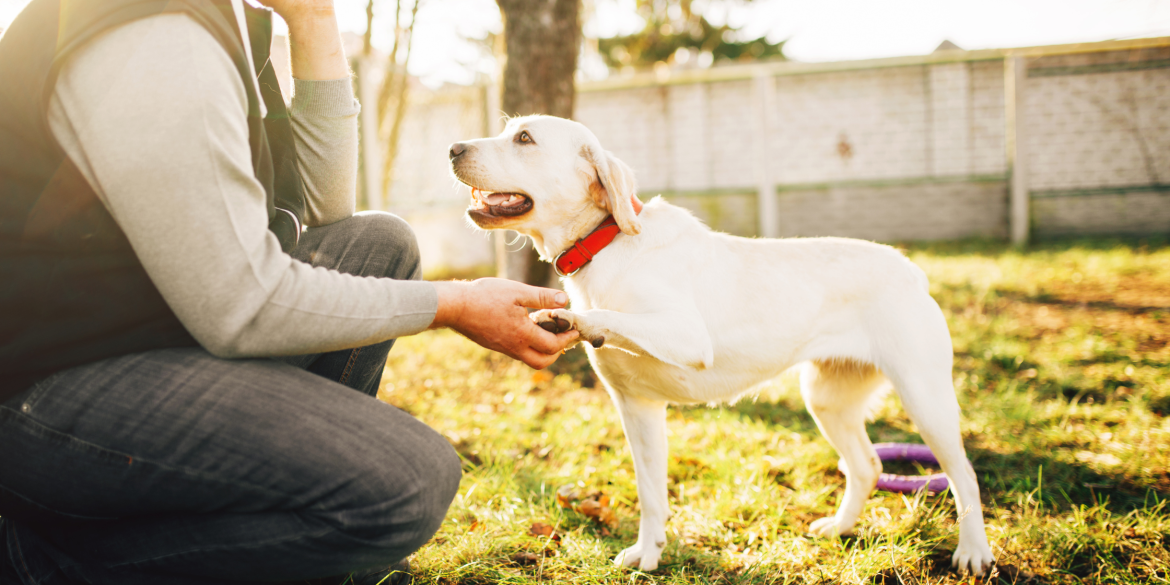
x=767 y=206
x=1015 y=76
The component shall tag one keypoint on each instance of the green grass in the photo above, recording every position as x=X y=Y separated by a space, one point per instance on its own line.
x=1063 y=372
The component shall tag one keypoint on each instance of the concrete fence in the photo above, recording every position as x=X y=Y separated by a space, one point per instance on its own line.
x=1014 y=143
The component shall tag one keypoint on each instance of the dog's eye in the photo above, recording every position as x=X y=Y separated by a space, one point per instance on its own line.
x=523 y=137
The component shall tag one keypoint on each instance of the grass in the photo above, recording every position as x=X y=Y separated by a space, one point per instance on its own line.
x=1063 y=372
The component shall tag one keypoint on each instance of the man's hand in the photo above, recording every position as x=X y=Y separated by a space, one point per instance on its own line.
x=492 y=312
x=314 y=39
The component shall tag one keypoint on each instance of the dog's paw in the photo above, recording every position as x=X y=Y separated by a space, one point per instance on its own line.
x=644 y=557
x=829 y=527
x=550 y=321
x=561 y=320
x=973 y=559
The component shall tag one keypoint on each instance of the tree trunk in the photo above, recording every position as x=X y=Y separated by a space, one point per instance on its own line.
x=541 y=41
x=396 y=88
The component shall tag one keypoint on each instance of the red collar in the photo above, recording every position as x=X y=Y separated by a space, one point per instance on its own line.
x=567 y=263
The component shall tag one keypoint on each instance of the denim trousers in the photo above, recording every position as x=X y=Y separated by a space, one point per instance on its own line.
x=177 y=467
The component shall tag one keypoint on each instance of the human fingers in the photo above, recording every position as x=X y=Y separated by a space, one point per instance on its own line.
x=540 y=360
x=550 y=343
x=568 y=339
x=535 y=297
x=536 y=360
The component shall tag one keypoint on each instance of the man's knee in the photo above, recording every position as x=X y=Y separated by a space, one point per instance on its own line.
x=438 y=482
x=439 y=491
x=393 y=241
x=400 y=505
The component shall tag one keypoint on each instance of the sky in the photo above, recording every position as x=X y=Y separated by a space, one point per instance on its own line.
x=446 y=47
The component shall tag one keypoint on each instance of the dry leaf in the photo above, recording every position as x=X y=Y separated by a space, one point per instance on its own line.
x=591 y=508
x=597 y=507
x=594 y=505
x=525 y=558
x=543 y=530
x=566 y=495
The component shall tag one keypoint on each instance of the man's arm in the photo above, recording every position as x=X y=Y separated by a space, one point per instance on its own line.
x=324 y=111
x=315 y=49
x=154 y=115
x=324 y=123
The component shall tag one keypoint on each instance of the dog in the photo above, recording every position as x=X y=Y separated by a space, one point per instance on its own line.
x=677 y=313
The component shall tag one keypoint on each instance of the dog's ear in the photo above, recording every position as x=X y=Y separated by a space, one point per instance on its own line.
x=613 y=187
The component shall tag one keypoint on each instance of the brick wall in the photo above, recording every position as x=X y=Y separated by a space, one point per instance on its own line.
x=895 y=153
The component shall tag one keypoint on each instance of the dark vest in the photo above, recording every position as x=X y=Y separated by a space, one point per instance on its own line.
x=72 y=290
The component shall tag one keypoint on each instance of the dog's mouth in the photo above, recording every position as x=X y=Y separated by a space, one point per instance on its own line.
x=500 y=204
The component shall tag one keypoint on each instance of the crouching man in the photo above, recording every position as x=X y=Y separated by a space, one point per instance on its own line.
x=194 y=321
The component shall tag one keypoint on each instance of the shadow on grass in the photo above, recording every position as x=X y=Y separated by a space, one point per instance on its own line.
x=1049 y=299
x=990 y=248
x=1058 y=484
x=793 y=417
x=779 y=415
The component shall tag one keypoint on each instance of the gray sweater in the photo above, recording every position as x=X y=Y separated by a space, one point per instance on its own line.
x=155 y=116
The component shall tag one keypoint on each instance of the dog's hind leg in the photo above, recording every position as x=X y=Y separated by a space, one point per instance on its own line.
x=644 y=422
x=929 y=399
x=837 y=394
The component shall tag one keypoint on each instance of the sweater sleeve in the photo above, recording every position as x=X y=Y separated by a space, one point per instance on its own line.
x=324 y=120
x=154 y=115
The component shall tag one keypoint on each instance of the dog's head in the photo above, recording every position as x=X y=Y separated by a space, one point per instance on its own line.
x=544 y=177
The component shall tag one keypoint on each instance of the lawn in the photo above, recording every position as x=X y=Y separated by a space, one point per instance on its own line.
x=1062 y=368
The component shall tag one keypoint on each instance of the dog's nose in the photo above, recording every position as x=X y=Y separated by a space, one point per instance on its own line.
x=457 y=149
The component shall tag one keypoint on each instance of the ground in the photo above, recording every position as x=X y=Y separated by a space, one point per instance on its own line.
x=1062 y=369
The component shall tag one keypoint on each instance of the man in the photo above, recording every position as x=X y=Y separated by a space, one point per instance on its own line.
x=179 y=356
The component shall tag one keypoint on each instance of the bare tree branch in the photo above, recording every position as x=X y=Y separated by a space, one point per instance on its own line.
x=398 y=92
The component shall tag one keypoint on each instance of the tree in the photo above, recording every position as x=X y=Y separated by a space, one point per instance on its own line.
x=382 y=82
x=392 y=97
x=541 y=41
x=672 y=25
x=394 y=89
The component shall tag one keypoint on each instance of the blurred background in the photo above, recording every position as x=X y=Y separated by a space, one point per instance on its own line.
x=893 y=121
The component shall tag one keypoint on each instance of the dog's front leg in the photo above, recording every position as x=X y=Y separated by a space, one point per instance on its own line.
x=675 y=335
x=644 y=422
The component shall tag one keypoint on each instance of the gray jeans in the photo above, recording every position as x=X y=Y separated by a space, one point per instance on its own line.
x=177 y=467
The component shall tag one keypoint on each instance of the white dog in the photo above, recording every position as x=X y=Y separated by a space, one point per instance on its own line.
x=687 y=315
